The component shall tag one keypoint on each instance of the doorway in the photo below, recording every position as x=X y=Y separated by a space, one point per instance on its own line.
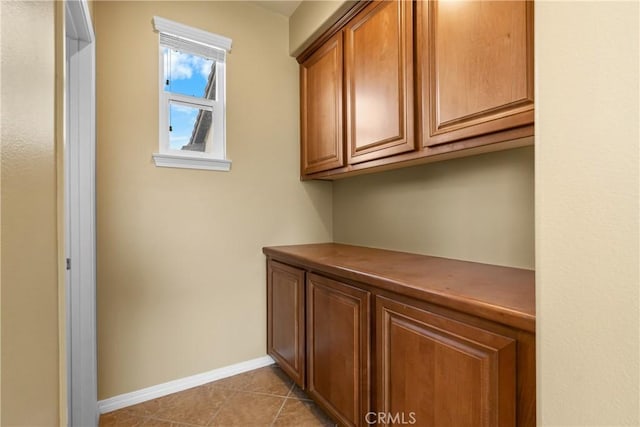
x=79 y=188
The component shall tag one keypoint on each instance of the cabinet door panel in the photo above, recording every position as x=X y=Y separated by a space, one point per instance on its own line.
x=338 y=348
x=378 y=69
x=285 y=319
x=321 y=114
x=441 y=372
x=475 y=72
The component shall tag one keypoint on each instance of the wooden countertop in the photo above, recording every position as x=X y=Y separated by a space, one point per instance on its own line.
x=502 y=294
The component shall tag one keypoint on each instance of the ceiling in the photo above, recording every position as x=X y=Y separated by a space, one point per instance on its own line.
x=283 y=7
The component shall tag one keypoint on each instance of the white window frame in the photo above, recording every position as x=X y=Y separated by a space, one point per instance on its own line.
x=193 y=40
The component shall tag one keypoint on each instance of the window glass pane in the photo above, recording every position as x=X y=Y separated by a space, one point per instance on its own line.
x=188 y=74
x=190 y=128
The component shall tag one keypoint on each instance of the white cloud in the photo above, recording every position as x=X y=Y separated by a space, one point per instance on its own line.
x=205 y=68
x=189 y=111
x=184 y=65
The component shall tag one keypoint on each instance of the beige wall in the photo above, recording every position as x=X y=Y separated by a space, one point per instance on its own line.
x=181 y=286
x=587 y=214
x=312 y=18
x=29 y=273
x=1 y=138
x=60 y=66
x=476 y=208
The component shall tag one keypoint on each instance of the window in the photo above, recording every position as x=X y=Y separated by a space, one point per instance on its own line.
x=192 y=97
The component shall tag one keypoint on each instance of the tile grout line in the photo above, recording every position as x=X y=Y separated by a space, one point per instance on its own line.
x=234 y=392
x=263 y=393
x=288 y=396
x=282 y=406
x=293 y=385
x=167 y=420
x=213 y=417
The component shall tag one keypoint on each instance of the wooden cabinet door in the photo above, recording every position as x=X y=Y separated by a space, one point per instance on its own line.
x=321 y=116
x=338 y=346
x=285 y=319
x=379 y=82
x=475 y=68
x=440 y=372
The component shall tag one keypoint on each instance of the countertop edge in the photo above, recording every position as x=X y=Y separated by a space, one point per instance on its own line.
x=482 y=309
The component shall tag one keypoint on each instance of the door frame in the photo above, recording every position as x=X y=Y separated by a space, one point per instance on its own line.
x=79 y=202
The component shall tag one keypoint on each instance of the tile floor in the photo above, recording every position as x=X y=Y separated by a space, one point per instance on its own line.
x=263 y=397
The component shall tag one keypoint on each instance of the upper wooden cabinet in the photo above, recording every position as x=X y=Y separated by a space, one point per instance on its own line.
x=475 y=73
x=396 y=83
x=378 y=78
x=321 y=108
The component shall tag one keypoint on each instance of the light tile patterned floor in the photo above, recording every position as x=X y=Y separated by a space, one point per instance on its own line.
x=263 y=397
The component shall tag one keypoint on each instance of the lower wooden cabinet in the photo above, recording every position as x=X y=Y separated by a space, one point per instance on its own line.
x=285 y=319
x=434 y=371
x=338 y=348
x=370 y=355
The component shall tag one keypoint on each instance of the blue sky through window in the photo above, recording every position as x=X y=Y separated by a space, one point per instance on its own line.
x=183 y=119
x=187 y=74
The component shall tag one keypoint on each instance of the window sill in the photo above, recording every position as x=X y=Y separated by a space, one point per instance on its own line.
x=188 y=162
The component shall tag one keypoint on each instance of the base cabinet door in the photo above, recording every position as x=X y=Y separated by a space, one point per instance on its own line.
x=285 y=319
x=435 y=371
x=338 y=348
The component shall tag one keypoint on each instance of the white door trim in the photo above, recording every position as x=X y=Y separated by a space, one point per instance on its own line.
x=79 y=165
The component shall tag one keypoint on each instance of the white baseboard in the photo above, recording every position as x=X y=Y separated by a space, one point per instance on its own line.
x=153 y=392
